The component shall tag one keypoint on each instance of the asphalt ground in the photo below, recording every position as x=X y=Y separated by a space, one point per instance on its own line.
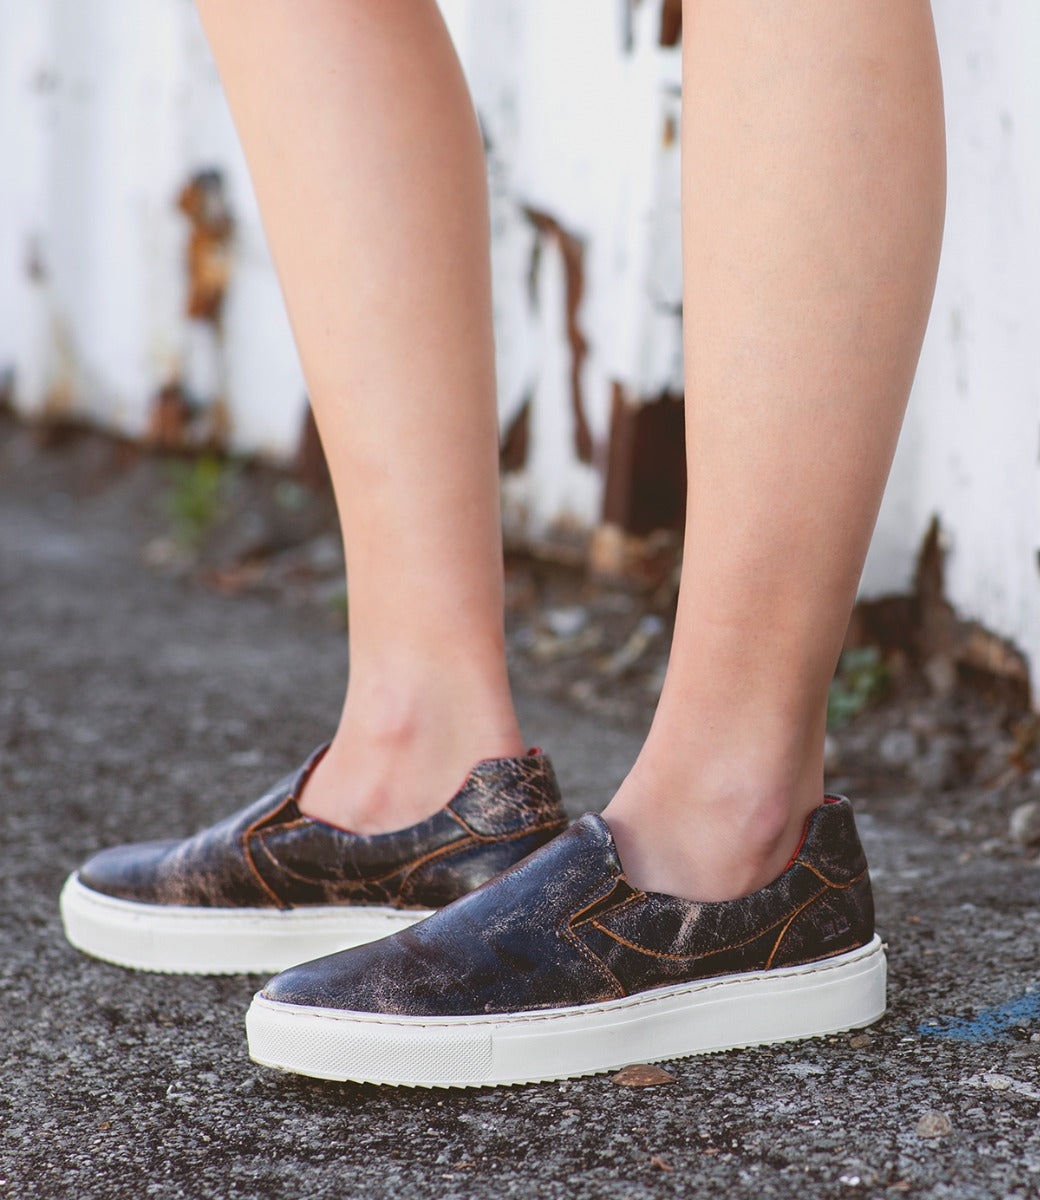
x=136 y=705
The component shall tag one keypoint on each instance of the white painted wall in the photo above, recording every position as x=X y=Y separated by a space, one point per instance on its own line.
x=107 y=108
x=971 y=444
x=586 y=146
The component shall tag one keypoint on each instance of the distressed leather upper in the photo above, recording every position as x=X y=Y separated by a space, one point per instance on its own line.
x=270 y=855
x=564 y=927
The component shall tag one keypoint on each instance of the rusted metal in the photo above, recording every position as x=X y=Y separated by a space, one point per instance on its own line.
x=180 y=419
x=648 y=563
x=516 y=439
x=203 y=202
x=671 y=22
x=670 y=131
x=645 y=487
x=311 y=467
x=926 y=631
x=170 y=419
x=572 y=251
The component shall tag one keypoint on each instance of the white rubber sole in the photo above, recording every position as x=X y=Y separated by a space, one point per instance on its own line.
x=217 y=941
x=725 y=1013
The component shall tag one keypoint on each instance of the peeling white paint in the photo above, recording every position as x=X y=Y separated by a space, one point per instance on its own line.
x=585 y=146
x=108 y=108
x=970 y=451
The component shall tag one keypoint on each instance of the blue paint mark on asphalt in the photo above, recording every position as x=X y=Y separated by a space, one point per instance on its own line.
x=990 y=1025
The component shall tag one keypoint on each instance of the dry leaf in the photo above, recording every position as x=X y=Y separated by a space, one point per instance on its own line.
x=641 y=1075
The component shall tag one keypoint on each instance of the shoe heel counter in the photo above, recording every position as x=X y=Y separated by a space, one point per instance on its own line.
x=505 y=797
x=832 y=847
x=511 y=807
x=838 y=920
x=840 y=917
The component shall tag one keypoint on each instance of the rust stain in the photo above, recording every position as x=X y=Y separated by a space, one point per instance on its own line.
x=170 y=419
x=924 y=628
x=573 y=251
x=63 y=393
x=217 y=433
x=203 y=202
x=59 y=402
x=670 y=133
x=179 y=420
x=648 y=564
x=515 y=441
x=645 y=487
x=639 y=543
x=671 y=23
x=311 y=466
x=176 y=422
x=940 y=634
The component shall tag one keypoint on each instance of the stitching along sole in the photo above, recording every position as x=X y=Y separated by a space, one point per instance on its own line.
x=725 y=1013
x=218 y=941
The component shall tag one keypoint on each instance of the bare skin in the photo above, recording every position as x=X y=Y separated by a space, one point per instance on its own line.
x=813 y=204
x=367 y=160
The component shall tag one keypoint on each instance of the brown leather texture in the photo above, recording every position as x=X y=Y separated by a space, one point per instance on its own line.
x=270 y=855
x=564 y=927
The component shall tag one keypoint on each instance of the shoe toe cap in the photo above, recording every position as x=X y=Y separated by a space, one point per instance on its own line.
x=355 y=980
x=132 y=872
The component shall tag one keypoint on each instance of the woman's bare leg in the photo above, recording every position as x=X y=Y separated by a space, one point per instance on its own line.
x=368 y=164
x=813 y=206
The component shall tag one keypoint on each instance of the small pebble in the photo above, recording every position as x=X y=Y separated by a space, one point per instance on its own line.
x=936 y=769
x=925 y=723
x=999 y=1083
x=861 y=1041
x=934 y=1125
x=941 y=672
x=1024 y=825
x=566 y=622
x=642 y=1075
x=898 y=748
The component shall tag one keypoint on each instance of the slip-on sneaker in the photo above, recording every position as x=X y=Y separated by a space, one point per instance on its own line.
x=268 y=886
x=559 y=967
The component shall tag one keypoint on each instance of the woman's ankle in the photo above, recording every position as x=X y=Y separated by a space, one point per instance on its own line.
x=706 y=833
x=397 y=759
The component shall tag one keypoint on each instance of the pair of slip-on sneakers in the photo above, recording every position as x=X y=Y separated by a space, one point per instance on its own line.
x=488 y=944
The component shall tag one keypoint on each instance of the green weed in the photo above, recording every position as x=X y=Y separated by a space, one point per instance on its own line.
x=195 y=497
x=861 y=678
